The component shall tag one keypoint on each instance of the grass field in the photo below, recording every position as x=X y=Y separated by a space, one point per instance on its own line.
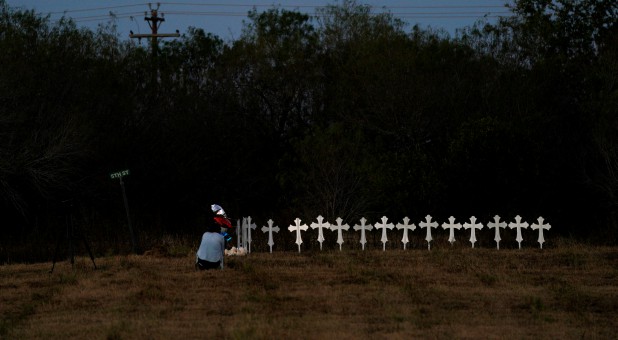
x=565 y=292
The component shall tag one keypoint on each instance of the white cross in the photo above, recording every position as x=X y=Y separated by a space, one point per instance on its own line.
x=384 y=226
x=405 y=226
x=320 y=226
x=540 y=226
x=473 y=226
x=339 y=229
x=451 y=226
x=297 y=228
x=270 y=230
x=362 y=227
x=497 y=225
x=249 y=226
x=428 y=224
x=244 y=232
x=238 y=233
x=519 y=226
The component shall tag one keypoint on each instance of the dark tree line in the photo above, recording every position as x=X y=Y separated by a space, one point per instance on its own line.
x=348 y=114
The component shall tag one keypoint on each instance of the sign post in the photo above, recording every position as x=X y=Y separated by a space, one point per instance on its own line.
x=119 y=175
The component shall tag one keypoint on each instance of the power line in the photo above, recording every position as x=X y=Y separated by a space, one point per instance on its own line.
x=401 y=14
x=105 y=16
x=97 y=8
x=107 y=8
x=453 y=14
x=439 y=12
x=240 y=14
x=312 y=6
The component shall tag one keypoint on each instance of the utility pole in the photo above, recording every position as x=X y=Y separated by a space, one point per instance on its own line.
x=154 y=21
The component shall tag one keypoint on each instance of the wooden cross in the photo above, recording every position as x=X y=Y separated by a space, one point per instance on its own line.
x=339 y=229
x=540 y=226
x=405 y=226
x=362 y=227
x=238 y=233
x=451 y=226
x=320 y=226
x=270 y=230
x=384 y=226
x=519 y=226
x=243 y=231
x=428 y=224
x=248 y=227
x=497 y=225
x=297 y=228
x=473 y=226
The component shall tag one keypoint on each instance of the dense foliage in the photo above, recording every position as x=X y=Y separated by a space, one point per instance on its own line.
x=348 y=114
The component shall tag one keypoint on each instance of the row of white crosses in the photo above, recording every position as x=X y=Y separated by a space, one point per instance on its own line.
x=473 y=225
x=428 y=224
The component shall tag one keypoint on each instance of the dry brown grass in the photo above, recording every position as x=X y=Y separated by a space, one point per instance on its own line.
x=569 y=291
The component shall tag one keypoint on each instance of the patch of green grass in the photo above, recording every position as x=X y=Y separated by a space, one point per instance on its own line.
x=354 y=279
x=572 y=259
x=245 y=267
x=150 y=292
x=180 y=250
x=535 y=306
x=270 y=285
x=68 y=278
x=323 y=258
x=379 y=275
x=246 y=331
x=11 y=321
x=423 y=318
x=487 y=279
x=571 y=299
x=128 y=262
x=5 y=328
x=116 y=331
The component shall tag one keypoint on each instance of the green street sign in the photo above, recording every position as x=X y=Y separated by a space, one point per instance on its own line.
x=119 y=174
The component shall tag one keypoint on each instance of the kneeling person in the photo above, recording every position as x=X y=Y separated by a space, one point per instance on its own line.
x=211 y=252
